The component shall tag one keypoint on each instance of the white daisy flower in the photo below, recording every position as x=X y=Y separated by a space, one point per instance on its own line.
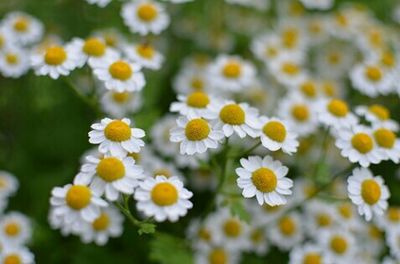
x=108 y=224
x=339 y=245
x=228 y=230
x=24 y=28
x=316 y=29
x=358 y=145
x=287 y=231
x=307 y=254
x=377 y=115
x=299 y=114
x=195 y=135
x=265 y=214
x=116 y=136
x=110 y=176
x=230 y=73
x=258 y=240
x=6 y=39
x=160 y=133
x=8 y=184
x=145 y=55
x=191 y=80
x=335 y=113
x=74 y=203
x=14 y=62
x=217 y=254
x=276 y=134
x=15 y=228
x=233 y=118
x=118 y=104
x=371 y=79
x=99 y=3
x=199 y=234
x=266 y=48
x=193 y=105
x=55 y=61
x=111 y=36
x=388 y=143
x=93 y=50
x=265 y=179
x=347 y=216
x=145 y=17
x=163 y=199
x=287 y=70
x=368 y=192
x=318 y=216
x=119 y=75
x=155 y=166
x=18 y=255
x=390 y=219
x=318 y=4
x=392 y=240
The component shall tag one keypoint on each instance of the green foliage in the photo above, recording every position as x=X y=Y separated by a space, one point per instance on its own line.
x=237 y=209
x=167 y=249
x=147 y=228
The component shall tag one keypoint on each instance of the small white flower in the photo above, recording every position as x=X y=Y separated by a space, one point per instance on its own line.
x=230 y=73
x=287 y=231
x=110 y=176
x=318 y=4
x=390 y=220
x=108 y=224
x=119 y=75
x=195 y=135
x=119 y=105
x=377 y=115
x=335 y=113
x=144 y=55
x=318 y=216
x=368 y=192
x=339 y=245
x=194 y=105
x=307 y=254
x=99 y=3
x=191 y=80
x=214 y=254
x=14 y=62
x=387 y=143
x=276 y=134
x=358 y=145
x=266 y=48
x=15 y=228
x=265 y=179
x=24 y=28
x=116 y=136
x=392 y=240
x=8 y=184
x=287 y=70
x=74 y=203
x=145 y=17
x=231 y=118
x=20 y=255
x=160 y=133
x=163 y=198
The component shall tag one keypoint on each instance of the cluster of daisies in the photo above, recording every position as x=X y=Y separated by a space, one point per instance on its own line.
x=15 y=227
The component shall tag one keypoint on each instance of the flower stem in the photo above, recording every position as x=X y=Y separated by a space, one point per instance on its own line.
x=249 y=150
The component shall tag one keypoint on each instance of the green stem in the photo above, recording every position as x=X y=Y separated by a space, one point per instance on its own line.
x=249 y=150
x=322 y=154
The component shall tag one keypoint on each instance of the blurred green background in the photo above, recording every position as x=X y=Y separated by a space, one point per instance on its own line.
x=44 y=126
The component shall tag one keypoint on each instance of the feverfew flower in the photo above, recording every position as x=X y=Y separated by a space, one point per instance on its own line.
x=20 y=255
x=118 y=104
x=99 y=3
x=116 y=136
x=8 y=184
x=145 y=17
x=368 y=192
x=387 y=143
x=318 y=4
x=193 y=105
x=145 y=55
x=336 y=113
x=377 y=115
x=24 y=28
x=265 y=179
x=15 y=228
x=163 y=198
x=338 y=244
x=195 y=135
x=287 y=231
x=110 y=176
x=14 y=62
x=307 y=254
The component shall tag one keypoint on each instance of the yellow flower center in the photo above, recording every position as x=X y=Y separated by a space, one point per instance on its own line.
x=145 y=51
x=78 y=197
x=163 y=172
x=324 y=220
x=120 y=70
x=1 y=41
x=315 y=27
x=388 y=59
x=393 y=214
x=94 y=47
x=117 y=130
x=290 y=68
x=198 y=100
x=164 y=194
x=287 y=226
x=111 y=40
x=373 y=73
x=345 y=210
x=197 y=129
x=257 y=236
x=232 y=228
x=380 y=111
x=270 y=209
x=232 y=114
x=341 y=20
x=375 y=38
x=264 y=180
x=110 y=169
x=334 y=58
x=21 y=24
x=12 y=259
x=338 y=108
x=290 y=38
x=12 y=58
x=197 y=84
x=275 y=130
x=362 y=142
x=300 y=112
x=329 y=88
x=338 y=244
x=101 y=223
x=147 y=12
x=55 y=55
x=385 y=138
x=232 y=69
x=3 y=182
x=308 y=89
x=121 y=97
x=204 y=234
x=370 y=191
x=374 y=232
x=218 y=256
x=271 y=52
x=135 y=156
x=312 y=258
x=310 y=190
x=12 y=229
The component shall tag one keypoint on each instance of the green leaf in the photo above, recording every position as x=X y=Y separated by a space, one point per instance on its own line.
x=167 y=249
x=237 y=209
x=147 y=228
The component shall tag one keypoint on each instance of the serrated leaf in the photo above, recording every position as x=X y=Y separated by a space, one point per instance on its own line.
x=167 y=249
x=147 y=228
